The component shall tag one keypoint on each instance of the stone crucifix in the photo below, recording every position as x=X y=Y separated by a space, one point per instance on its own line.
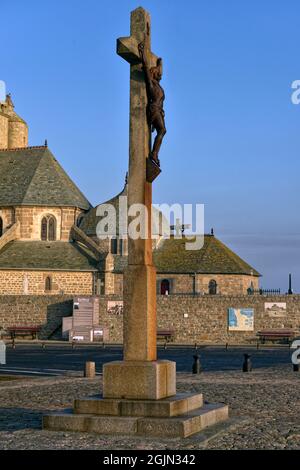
x=140 y=374
x=136 y=49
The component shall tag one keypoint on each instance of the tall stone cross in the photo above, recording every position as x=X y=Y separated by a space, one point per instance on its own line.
x=140 y=278
x=140 y=375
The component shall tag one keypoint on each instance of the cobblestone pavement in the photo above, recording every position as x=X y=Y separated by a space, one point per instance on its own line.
x=264 y=410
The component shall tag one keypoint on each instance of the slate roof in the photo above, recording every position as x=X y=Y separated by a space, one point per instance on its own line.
x=213 y=258
x=89 y=221
x=54 y=256
x=171 y=257
x=33 y=177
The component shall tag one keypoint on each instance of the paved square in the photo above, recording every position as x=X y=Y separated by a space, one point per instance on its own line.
x=264 y=412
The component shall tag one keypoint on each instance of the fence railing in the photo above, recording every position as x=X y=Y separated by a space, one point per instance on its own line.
x=206 y=294
x=263 y=291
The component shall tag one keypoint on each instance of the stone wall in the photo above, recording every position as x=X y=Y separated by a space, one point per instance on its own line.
x=33 y=282
x=8 y=216
x=227 y=284
x=17 y=134
x=206 y=320
x=35 y=310
x=3 y=131
x=205 y=323
x=30 y=219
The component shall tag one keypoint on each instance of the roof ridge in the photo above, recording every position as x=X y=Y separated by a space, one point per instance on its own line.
x=17 y=149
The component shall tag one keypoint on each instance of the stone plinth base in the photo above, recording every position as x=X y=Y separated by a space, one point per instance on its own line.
x=151 y=380
x=174 y=406
x=179 y=416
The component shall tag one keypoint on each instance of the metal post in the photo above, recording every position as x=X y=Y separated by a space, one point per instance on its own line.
x=290 y=291
x=196 y=365
x=247 y=365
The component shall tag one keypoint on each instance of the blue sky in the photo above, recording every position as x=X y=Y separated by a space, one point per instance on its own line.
x=233 y=132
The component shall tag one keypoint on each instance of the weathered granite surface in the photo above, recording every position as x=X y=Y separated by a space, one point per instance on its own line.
x=264 y=410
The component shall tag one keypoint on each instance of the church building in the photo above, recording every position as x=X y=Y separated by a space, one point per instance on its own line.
x=49 y=244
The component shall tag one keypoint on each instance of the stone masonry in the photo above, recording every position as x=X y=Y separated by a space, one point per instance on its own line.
x=33 y=282
x=206 y=322
x=35 y=310
x=207 y=317
x=13 y=129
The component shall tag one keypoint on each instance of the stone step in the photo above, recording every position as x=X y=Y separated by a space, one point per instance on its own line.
x=173 y=406
x=173 y=427
x=186 y=425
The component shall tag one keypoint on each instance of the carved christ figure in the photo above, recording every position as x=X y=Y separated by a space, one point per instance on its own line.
x=156 y=96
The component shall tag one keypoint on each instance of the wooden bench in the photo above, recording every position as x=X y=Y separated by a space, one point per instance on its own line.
x=167 y=335
x=23 y=331
x=276 y=335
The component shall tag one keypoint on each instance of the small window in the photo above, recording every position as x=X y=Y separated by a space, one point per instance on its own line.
x=114 y=246
x=48 y=228
x=101 y=286
x=212 y=287
x=1 y=227
x=48 y=284
x=165 y=287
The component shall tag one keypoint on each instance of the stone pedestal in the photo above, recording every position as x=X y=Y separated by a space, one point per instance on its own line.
x=179 y=416
x=141 y=380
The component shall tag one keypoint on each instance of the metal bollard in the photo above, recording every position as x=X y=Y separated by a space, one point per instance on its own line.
x=2 y=353
x=196 y=365
x=196 y=346
x=247 y=364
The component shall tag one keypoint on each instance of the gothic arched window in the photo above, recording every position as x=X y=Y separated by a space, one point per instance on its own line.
x=51 y=229
x=48 y=284
x=1 y=226
x=212 y=287
x=48 y=228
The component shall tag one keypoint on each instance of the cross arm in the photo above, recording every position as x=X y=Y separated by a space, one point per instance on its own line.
x=128 y=49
